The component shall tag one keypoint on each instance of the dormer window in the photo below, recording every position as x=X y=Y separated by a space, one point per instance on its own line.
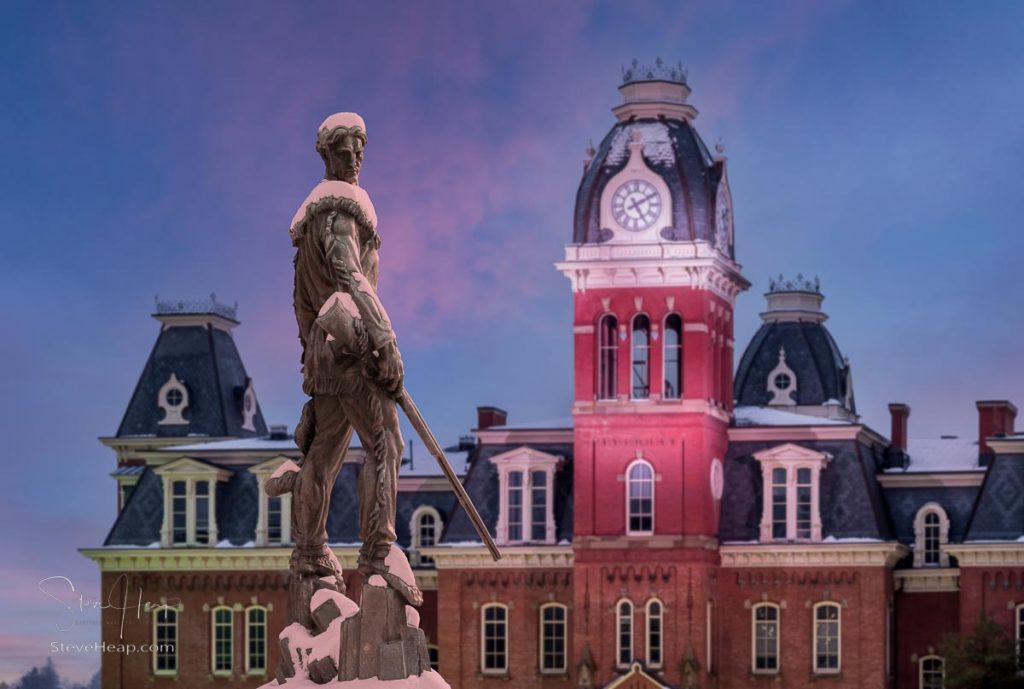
x=931 y=532
x=782 y=382
x=425 y=529
x=608 y=357
x=190 y=501
x=791 y=505
x=526 y=479
x=641 y=359
x=274 y=514
x=172 y=398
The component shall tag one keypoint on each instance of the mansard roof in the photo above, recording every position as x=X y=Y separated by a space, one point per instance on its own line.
x=999 y=510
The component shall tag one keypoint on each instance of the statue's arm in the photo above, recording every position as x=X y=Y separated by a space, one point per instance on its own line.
x=341 y=248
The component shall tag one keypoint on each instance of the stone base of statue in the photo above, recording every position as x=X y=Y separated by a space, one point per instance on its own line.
x=359 y=646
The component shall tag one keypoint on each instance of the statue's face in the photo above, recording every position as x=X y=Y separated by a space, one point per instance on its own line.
x=344 y=158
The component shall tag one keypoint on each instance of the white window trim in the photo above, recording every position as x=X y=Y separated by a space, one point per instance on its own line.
x=618 y=632
x=664 y=353
x=778 y=639
x=919 y=532
x=414 y=531
x=650 y=349
x=600 y=353
x=920 y=668
x=483 y=640
x=177 y=639
x=213 y=642
x=191 y=472
x=654 y=483
x=526 y=460
x=565 y=640
x=839 y=639
x=791 y=458
x=647 y=633
x=263 y=471
x=249 y=670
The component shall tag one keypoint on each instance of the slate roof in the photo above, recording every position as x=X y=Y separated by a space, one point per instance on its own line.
x=851 y=501
x=481 y=483
x=674 y=150
x=999 y=511
x=811 y=353
x=206 y=360
x=904 y=503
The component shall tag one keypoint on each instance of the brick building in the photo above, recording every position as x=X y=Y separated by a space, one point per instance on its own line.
x=682 y=528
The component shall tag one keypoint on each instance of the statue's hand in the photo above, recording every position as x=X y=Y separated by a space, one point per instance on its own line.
x=390 y=371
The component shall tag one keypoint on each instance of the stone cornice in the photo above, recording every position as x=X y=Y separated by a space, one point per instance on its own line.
x=524 y=436
x=927 y=579
x=948 y=479
x=651 y=406
x=512 y=557
x=1002 y=554
x=885 y=554
x=807 y=433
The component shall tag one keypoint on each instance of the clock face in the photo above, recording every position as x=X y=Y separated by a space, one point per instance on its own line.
x=636 y=205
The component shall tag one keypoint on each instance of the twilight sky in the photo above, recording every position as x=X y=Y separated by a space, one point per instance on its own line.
x=161 y=148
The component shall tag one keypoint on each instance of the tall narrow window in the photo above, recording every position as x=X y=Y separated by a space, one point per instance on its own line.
x=275 y=523
x=803 y=503
x=826 y=637
x=433 y=655
x=640 y=498
x=165 y=639
x=553 y=637
x=608 y=357
x=179 y=512
x=538 y=505
x=223 y=641
x=766 y=638
x=515 y=506
x=426 y=524
x=494 y=638
x=625 y=633
x=202 y=512
x=931 y=539
x=932 y=672
x=1019 y=620
x=654 y=633
x=778 y=503
x=641 y=364
x=256 y=640
x=673 y=344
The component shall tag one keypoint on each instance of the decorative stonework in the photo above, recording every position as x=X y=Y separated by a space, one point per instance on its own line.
x=248 y=407
x=782 y=382
x=885 y=554
x=930 y=508
x=1005 y=554
x=791 y=458
x=512 y=557
x=926 y=580
x=717 y=478
x=173 y=399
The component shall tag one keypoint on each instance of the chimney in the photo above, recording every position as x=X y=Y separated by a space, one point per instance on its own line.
x=995 y=419
x=279 y=432
x=486 y=417
x=898 y=438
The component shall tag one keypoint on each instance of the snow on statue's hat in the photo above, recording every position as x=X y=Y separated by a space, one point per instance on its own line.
x=348 y=120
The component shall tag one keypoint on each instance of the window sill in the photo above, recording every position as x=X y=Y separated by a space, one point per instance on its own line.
x=826 y=675
x=494 y=674
x=766 y=674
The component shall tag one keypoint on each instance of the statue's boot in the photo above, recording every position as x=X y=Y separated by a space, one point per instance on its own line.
x=318 y=561
x=407 y=590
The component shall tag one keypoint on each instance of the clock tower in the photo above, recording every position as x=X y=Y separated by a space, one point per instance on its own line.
x=654 y=281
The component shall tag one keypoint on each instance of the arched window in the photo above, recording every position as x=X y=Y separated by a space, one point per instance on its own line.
x=931 y=532
x=673 y=356
x=553 y=636
x=222 y=637
x=608 y=357
x=641 y=359
x=256 y=640
x=655 y=633
x=639 y=498
x=624 y=628
x=765 y=638
x=827 y=641
x=425 y=529
x=932 y=672
x=165 y=640
x=494 y=638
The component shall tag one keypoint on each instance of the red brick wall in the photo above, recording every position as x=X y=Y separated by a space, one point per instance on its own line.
x=460 y=597
x=992 y=591
x=862 y=592
x=921 y=621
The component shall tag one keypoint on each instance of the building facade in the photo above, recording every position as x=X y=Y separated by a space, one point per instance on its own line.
x=684 y=527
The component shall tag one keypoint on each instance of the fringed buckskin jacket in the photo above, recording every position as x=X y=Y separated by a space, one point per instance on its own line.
x=335 y=236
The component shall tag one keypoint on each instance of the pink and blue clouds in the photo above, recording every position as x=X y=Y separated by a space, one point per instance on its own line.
x=161 y=148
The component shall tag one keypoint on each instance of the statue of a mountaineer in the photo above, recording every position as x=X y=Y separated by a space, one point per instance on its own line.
x=351 y=366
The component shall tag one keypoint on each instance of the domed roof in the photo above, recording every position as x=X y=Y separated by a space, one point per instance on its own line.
x=655 y=110
x=792 y=361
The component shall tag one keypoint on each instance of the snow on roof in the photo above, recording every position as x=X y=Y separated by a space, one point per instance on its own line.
x=948 y=453
x=236 y=444
x=547 y=424
x=765 y=416
x=656 y=139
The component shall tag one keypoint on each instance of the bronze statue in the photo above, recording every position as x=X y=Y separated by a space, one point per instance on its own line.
x=352 y=371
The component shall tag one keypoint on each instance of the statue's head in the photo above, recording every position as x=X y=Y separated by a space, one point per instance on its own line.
x=340 y=141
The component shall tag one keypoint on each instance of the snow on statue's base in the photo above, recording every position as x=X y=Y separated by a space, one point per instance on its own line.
x=359 y=648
